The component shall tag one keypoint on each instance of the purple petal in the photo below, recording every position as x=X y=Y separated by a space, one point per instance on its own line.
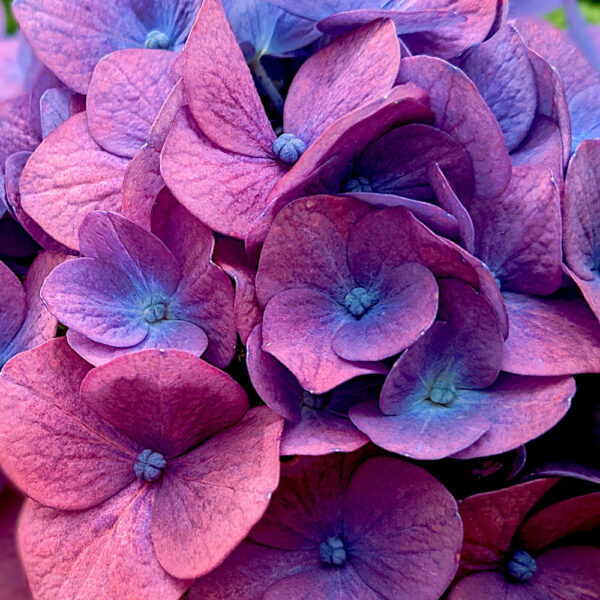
x=405 y=503
x=214 y=68
x=53 y=437
x=518 y=236
x=581 y=211
x=13 y=304
x=179 y=335
x=555 y=336
x=584 y=109
x=97 y=299
x=406 y=309
x=15 y=128
x=352 y=71
x=68 y=176
x=185 y=400
x=125 y=95
x=501 y=70
x=519 y=409
x=461 y=112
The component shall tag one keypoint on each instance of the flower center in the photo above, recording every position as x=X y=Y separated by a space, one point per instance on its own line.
x=157 y=40
x=316 y=401
x=358 y=301
x=521 y=566
x=288 y=148
x=155 y=311
x=443 y=392
x=150 y=465
x=357 y=184
x=332 y=551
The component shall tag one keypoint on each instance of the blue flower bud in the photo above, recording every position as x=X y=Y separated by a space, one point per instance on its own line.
x=157 y=40
x=358 y=301
x=288 y=148
x=443 y=392
x=332 y=551
x=521 y=566
x=357 y=184
x=150 y=465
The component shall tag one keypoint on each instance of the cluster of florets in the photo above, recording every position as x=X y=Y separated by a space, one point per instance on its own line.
x=355 y=234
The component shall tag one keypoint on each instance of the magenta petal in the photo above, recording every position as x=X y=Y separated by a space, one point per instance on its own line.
x=13 y=583
x=15 y=128
x=212 y=496
x=306 y=247
x=249 y=571
x=518 y=409
x=430 y=215
x=39 y=325
x=501 y=70
x=560 y=520
x=96 y=299
x=231 y=257
x=13 y=304
x=518 y=236
x=491 y=520
x=421 y=430
x=68 y=176
x=555 y=336
x=395 y=234
x=126 y=92
x=483 y=586
x=112 y=238
x=355 y=69
x=298 y=327
x=166 y=400
x=407 y=308
x=581 y=213
x=320 y=432
x=178 y=335
x=405 y=503
x=50 y=438
x=225 y=190
x=457 y=106
x=214 y=68
x=398 y=162
x=322 y=583
x=106 y=551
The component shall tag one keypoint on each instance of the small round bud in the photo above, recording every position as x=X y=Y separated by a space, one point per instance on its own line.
x=332 y=551
x=157 y=40
x=288 y=148
x=150 y=465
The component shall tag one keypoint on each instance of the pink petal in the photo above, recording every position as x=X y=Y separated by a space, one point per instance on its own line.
x=212 y=496
x=52 y=445
x=226 y=190
x=554 y=336
x=102 y=552
x=125 y=95
x=519 y=409
x=355 y=69
x=214 y=68
x=560 y=520
x=386 y=538
x=15 y=128
x=13 y=304
x=68 y=176
x=491 y=520
x=166 y=400
x=298 y=327
x=461 y=112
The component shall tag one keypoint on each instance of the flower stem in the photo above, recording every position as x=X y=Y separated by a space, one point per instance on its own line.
x=266 y=83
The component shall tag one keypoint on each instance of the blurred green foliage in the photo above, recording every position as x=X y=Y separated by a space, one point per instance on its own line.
x=11 y=24
x=589 y=8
